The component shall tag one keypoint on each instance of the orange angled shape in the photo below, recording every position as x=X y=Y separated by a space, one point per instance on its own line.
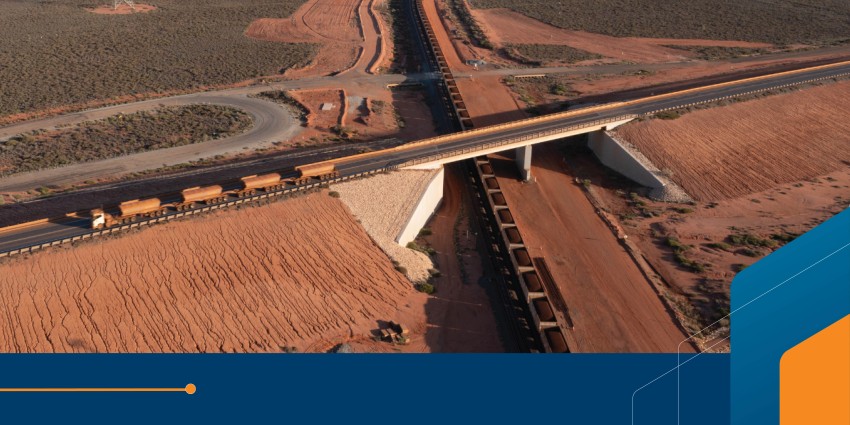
x=814 y=379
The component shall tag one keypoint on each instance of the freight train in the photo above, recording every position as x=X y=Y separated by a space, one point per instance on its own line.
x=130 y=211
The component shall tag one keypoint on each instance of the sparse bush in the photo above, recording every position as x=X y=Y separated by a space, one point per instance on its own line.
x=783 y=237
x=539 y=54
x=401 y=269
x=668 y=115
x=746 y=239
x=426 y=231
x=121 y=135
x=426 y=288
x=720 y=245
x=460 y=9
x=676 y=244
x=333 y=194
x=749 y=252
x=57 y=53
x=710 y=53
x=284 y=98
x=708 y=19
x=679 y=250
x=737 y=268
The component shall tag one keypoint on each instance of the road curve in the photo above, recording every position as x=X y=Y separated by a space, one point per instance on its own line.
x=272 y=122
x=14 y=238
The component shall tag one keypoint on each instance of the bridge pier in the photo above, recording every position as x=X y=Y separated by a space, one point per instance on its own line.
x=523 y=161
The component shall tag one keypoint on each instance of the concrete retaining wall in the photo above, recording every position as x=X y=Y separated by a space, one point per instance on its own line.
x=425 y=208
x=617 y=155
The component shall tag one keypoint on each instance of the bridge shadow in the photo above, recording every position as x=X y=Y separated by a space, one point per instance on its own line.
x=465 y=314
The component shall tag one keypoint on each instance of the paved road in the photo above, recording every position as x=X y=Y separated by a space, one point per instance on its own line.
x=645 y=106
x=13 y=239
x=272 y=122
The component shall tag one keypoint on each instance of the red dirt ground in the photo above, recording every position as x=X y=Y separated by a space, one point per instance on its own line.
x=617 y=309
x=488 y=101
x=300 y=273
x=787 y=209
x=613 y=306
x=459 y=316
x=122 y=9
x=331 y=23
x=758 y=145
x=506 y=26
x=313 y=101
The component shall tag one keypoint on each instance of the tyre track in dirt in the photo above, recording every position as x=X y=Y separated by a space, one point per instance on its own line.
x=758 y=145
x=291 y=274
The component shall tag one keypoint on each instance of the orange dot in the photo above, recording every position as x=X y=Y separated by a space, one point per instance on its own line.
x=190 y=388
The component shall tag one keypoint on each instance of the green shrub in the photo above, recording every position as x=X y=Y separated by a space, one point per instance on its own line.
x=426 y=288
x=720 y=245
x=747 y=239
x=333 y=194
x=737 y=268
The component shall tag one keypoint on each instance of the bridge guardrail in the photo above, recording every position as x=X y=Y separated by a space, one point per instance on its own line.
x=508 y=141
x=180 y=214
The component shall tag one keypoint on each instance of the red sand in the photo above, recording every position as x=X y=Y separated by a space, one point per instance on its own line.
x=331 y=23
x=297 y=273
x=743 y=148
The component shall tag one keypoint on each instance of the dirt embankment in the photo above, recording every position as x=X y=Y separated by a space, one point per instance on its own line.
x=300 y=273
x=333 y=24
x=735 y=150
x=383 y=204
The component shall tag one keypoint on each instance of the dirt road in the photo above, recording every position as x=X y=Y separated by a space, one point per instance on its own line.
x=613 y=306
